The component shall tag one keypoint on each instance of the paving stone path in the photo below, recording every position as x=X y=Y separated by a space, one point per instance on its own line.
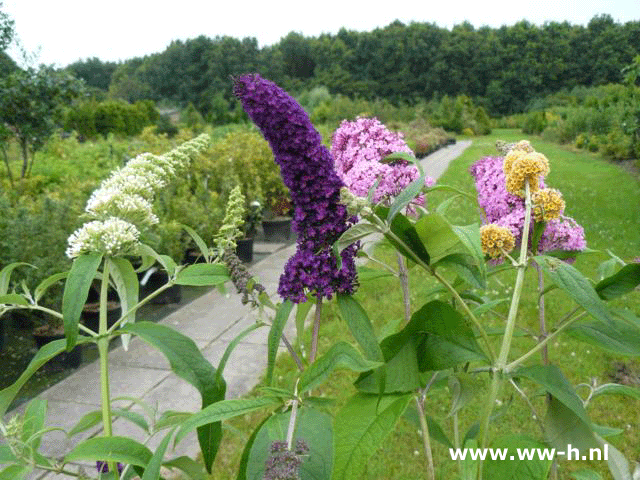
x=212 y=321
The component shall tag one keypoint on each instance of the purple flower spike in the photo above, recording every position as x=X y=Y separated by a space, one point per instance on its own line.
x=102 y=467
x=307 y=170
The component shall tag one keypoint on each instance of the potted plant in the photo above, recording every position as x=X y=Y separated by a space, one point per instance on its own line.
x=244 y=248
x=276 y=223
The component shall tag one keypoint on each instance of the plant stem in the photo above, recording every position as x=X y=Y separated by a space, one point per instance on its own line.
x=431 y=474
x=292 y=352
x=316 y=330
x=403 y=276
x=142 y=302
x=103 y=350
x=542 y=344
x=499 y=368
x=543 y=329
x=292 y=423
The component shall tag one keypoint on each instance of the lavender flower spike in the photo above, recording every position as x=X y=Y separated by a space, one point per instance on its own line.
x=307 y=170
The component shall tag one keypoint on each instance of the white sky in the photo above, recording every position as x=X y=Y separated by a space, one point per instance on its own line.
x=67 y=30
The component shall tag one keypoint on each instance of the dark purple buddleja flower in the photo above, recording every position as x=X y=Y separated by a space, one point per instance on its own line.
x=284 y=464
x=102 y=467
x=307 y=170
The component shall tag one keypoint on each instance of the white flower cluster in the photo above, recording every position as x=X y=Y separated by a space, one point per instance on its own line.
x=123 y=202
x=112 y=236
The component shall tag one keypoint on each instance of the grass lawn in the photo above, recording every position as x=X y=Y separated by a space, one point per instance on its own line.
x=605 y=200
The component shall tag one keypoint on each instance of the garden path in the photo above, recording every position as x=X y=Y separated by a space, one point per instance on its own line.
x=212 y=321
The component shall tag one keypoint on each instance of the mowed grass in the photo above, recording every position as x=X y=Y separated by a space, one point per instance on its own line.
x=605 y=200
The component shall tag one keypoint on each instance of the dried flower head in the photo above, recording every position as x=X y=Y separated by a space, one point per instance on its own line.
x=496 y=241
x=112 y=236
x=547 y=204
x=525 y=167
x=284 y=464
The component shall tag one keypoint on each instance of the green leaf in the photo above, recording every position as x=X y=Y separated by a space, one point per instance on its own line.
x=87 y=421
x=202 y=274
x=534 y=469
x=353 y=234
x=618 y=337
x=312 y=426
x=76 y=290
x=244 y=459
x=551 y=378
x=469 y=235
x=620 y=283
x=13 y=299
x=5 y=275
x=193 y=469
x=127 y=285
x=464 y=388
x=538 y=230
x=617 y=463
x=406 y=196
x=576 y=285
x=302 y=311
x=616 y=389
x=341 y=355
x=233 y=344
x=46 y=283
x=409 y=243
x=6 y=455
x=466 y=268
x=223 y=410
x=360 y=326
x=435 y=430
x=368 y=273
x=111 y=449
x=167 y=262
x=188 y=363
x=200 y=243
x=438 y=237
x=15 y=472
x=34 y=420
x=563 y=427
x=605 y=431
x=46 y=353
x=360 y=428
x=152 y=469
x=402 y=156
x=275 y=334
x=586 y=475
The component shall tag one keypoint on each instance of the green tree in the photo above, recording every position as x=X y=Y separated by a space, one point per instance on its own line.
x=30 y=106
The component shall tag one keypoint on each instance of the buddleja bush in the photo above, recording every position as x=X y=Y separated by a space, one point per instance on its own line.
x=442 y=340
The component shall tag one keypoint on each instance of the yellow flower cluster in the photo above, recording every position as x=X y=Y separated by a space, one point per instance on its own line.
x=496 y=240
x=521 y=166
x=547 y=204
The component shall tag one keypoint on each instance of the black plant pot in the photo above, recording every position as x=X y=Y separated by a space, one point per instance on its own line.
x=193 y=256
x=244 y=249
x=153 y=279
x=72 y=359
x=277 y=229
x=91 y=314
x=25 y=319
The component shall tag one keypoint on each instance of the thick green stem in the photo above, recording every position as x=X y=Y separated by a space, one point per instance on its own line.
x=103 y=350
x=501 y=363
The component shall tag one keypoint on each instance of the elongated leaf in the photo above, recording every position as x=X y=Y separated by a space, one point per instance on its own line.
x=618 y=337
x=515 y=468
x=89 y=420
x=203 y=274
x=463 y=388
x=244 y=459
x=166 y=261
x=406 y=196
x=46 y=353
x=575 y=285
x=616 y=389
x=13 y=299
x=223 y=410
x=76 y=290
x=355 y=233
x=15 y=472
x=620 y=283
x=551 y=378
x=435 y=430
x=233 y=344
x=275 y=334
x=368 y=273
x=360 y=326
x=408 y=242
x=302 y=311
x=312 y=427
x=360 y=428
x=127 y=285
x=465 y=266
x=152 y=470
x=5 y=275
x=46 y=283
x=34 y=420
x=563 y=427
x=469 y=235
x=200 y=243
x=585 y=474
x=188 y=363
x=438 y=237
x=189 y=466
x=112 y=449
x=6 y=455
x=340 y=356
x=617 y=463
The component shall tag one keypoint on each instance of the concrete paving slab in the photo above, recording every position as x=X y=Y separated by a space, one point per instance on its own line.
x=143 y=355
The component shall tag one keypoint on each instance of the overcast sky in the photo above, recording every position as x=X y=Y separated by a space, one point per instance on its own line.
x=67 y=30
